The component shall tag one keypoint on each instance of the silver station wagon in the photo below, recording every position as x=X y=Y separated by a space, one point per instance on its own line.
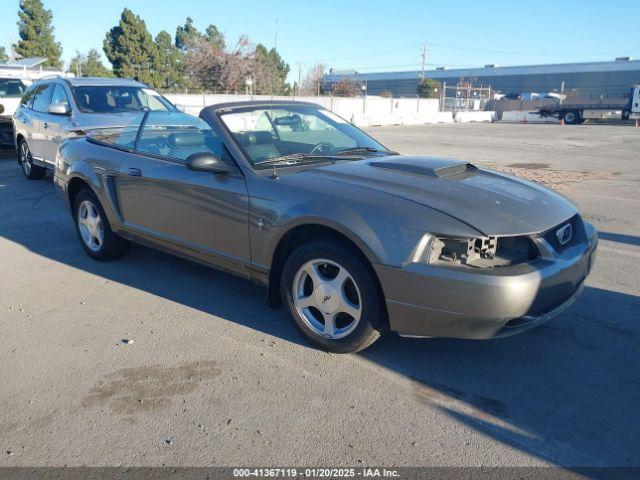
x=351 y=238
x=55 y=108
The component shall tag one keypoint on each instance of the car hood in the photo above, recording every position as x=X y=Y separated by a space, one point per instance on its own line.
x=490 y=202
x=10 y=105
x=90 y=121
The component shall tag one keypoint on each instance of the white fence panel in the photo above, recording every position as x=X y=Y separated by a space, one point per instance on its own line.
x=362 y=111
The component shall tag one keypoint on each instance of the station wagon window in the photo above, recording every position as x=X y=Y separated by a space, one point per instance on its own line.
x=59 y=95
x=27 y=99
x=114 y=99
x=41 y=100
x=177 y=136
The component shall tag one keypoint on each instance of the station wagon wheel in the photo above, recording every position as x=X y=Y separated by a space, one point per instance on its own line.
x=94 y=230
x=31 y=171
x=333 y=297
x=90 y=225
x=327 y=298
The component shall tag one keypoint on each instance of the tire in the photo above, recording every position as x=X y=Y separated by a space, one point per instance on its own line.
x=324 y=280
x=25 y=159
x=94 y=233
x=572 y=117
x=625 y=115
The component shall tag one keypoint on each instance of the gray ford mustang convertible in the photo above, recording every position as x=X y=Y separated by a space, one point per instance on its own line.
x=353 y=239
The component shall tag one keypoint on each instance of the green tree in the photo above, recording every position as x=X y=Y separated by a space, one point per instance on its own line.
x=429 y=88
x=36 y=33
x=167 y=66
x=130 y=49
x=215 y=37
x=89 y=65
x=270 y=72
x=3 y=55
x=186 y=34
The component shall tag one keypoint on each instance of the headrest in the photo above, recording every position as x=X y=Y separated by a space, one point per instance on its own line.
x=255 y=138
x=186 y=139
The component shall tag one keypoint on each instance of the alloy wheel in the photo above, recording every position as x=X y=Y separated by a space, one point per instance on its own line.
x=25 y=158
x=90 y=226
x=327 y=298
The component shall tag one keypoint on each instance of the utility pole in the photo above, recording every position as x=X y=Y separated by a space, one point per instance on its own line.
x=299 y=76
x=425 y=54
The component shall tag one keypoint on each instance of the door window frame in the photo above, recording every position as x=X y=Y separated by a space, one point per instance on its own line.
x=43 y=86
x=225 y=152
x=64 y=92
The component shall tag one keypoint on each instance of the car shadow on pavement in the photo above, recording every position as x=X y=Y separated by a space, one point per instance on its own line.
x=566 y=392
x=619 y=238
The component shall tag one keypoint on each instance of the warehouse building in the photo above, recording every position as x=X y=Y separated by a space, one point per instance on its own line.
x=593 y=80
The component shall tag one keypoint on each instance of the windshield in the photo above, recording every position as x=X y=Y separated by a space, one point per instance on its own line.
x=10 y=88
x=268 y=133
x=114 y=99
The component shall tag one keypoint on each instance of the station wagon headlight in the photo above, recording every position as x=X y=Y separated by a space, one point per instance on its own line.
x=481 y=252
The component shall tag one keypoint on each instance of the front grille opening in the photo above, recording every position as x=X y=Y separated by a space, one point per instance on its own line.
x=579 y=234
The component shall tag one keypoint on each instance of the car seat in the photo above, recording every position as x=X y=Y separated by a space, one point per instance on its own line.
x=258 y=145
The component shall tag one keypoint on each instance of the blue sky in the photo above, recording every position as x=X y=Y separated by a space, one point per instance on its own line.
x=372 y=35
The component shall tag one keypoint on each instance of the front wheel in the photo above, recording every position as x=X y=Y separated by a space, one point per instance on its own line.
x=93 y=229
x=332 y=297
x=31 y=171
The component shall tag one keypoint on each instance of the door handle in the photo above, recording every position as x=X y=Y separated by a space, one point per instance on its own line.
x=135 y=172
x=46 y=125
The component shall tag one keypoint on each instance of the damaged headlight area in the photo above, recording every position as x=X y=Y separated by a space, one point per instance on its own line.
x=482 y=252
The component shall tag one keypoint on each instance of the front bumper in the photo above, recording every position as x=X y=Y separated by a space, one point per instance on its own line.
x=430 y=301
x=6 y=133
x=61 y=186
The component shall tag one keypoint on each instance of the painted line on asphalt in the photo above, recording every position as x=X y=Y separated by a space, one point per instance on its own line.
x=619 y=251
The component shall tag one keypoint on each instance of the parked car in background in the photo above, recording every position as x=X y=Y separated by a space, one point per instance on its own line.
x=11 y=91
x=54 y=108
x=512 y=96
x=15 y=78
x=353 y=239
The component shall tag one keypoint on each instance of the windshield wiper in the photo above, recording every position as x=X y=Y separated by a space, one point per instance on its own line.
x=363 y=149
x=299 y=158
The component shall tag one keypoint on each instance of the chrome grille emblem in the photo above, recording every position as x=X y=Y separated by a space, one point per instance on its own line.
x=564 y=234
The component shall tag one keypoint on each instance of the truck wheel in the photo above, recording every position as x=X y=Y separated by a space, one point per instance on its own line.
x=572 y=117
x=625 y=115
x=31 y=171
x=332 y=297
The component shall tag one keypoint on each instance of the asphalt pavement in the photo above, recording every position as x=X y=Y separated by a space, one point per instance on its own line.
x=153 y=360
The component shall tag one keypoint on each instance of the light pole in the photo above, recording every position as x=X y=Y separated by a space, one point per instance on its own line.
x=364 y=97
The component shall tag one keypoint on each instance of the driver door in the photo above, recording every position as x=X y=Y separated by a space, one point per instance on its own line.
x=198 y=213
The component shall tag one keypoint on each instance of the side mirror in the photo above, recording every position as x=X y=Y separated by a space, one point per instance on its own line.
x=207 y=162
x=59 y=109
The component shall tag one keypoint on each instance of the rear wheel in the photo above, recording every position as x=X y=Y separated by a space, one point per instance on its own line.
x=332 y=296
x=93 y=229
x=572 y=117
x=31 y=171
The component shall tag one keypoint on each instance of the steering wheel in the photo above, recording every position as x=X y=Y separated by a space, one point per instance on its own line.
x=323 y=147
x=161 y=142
